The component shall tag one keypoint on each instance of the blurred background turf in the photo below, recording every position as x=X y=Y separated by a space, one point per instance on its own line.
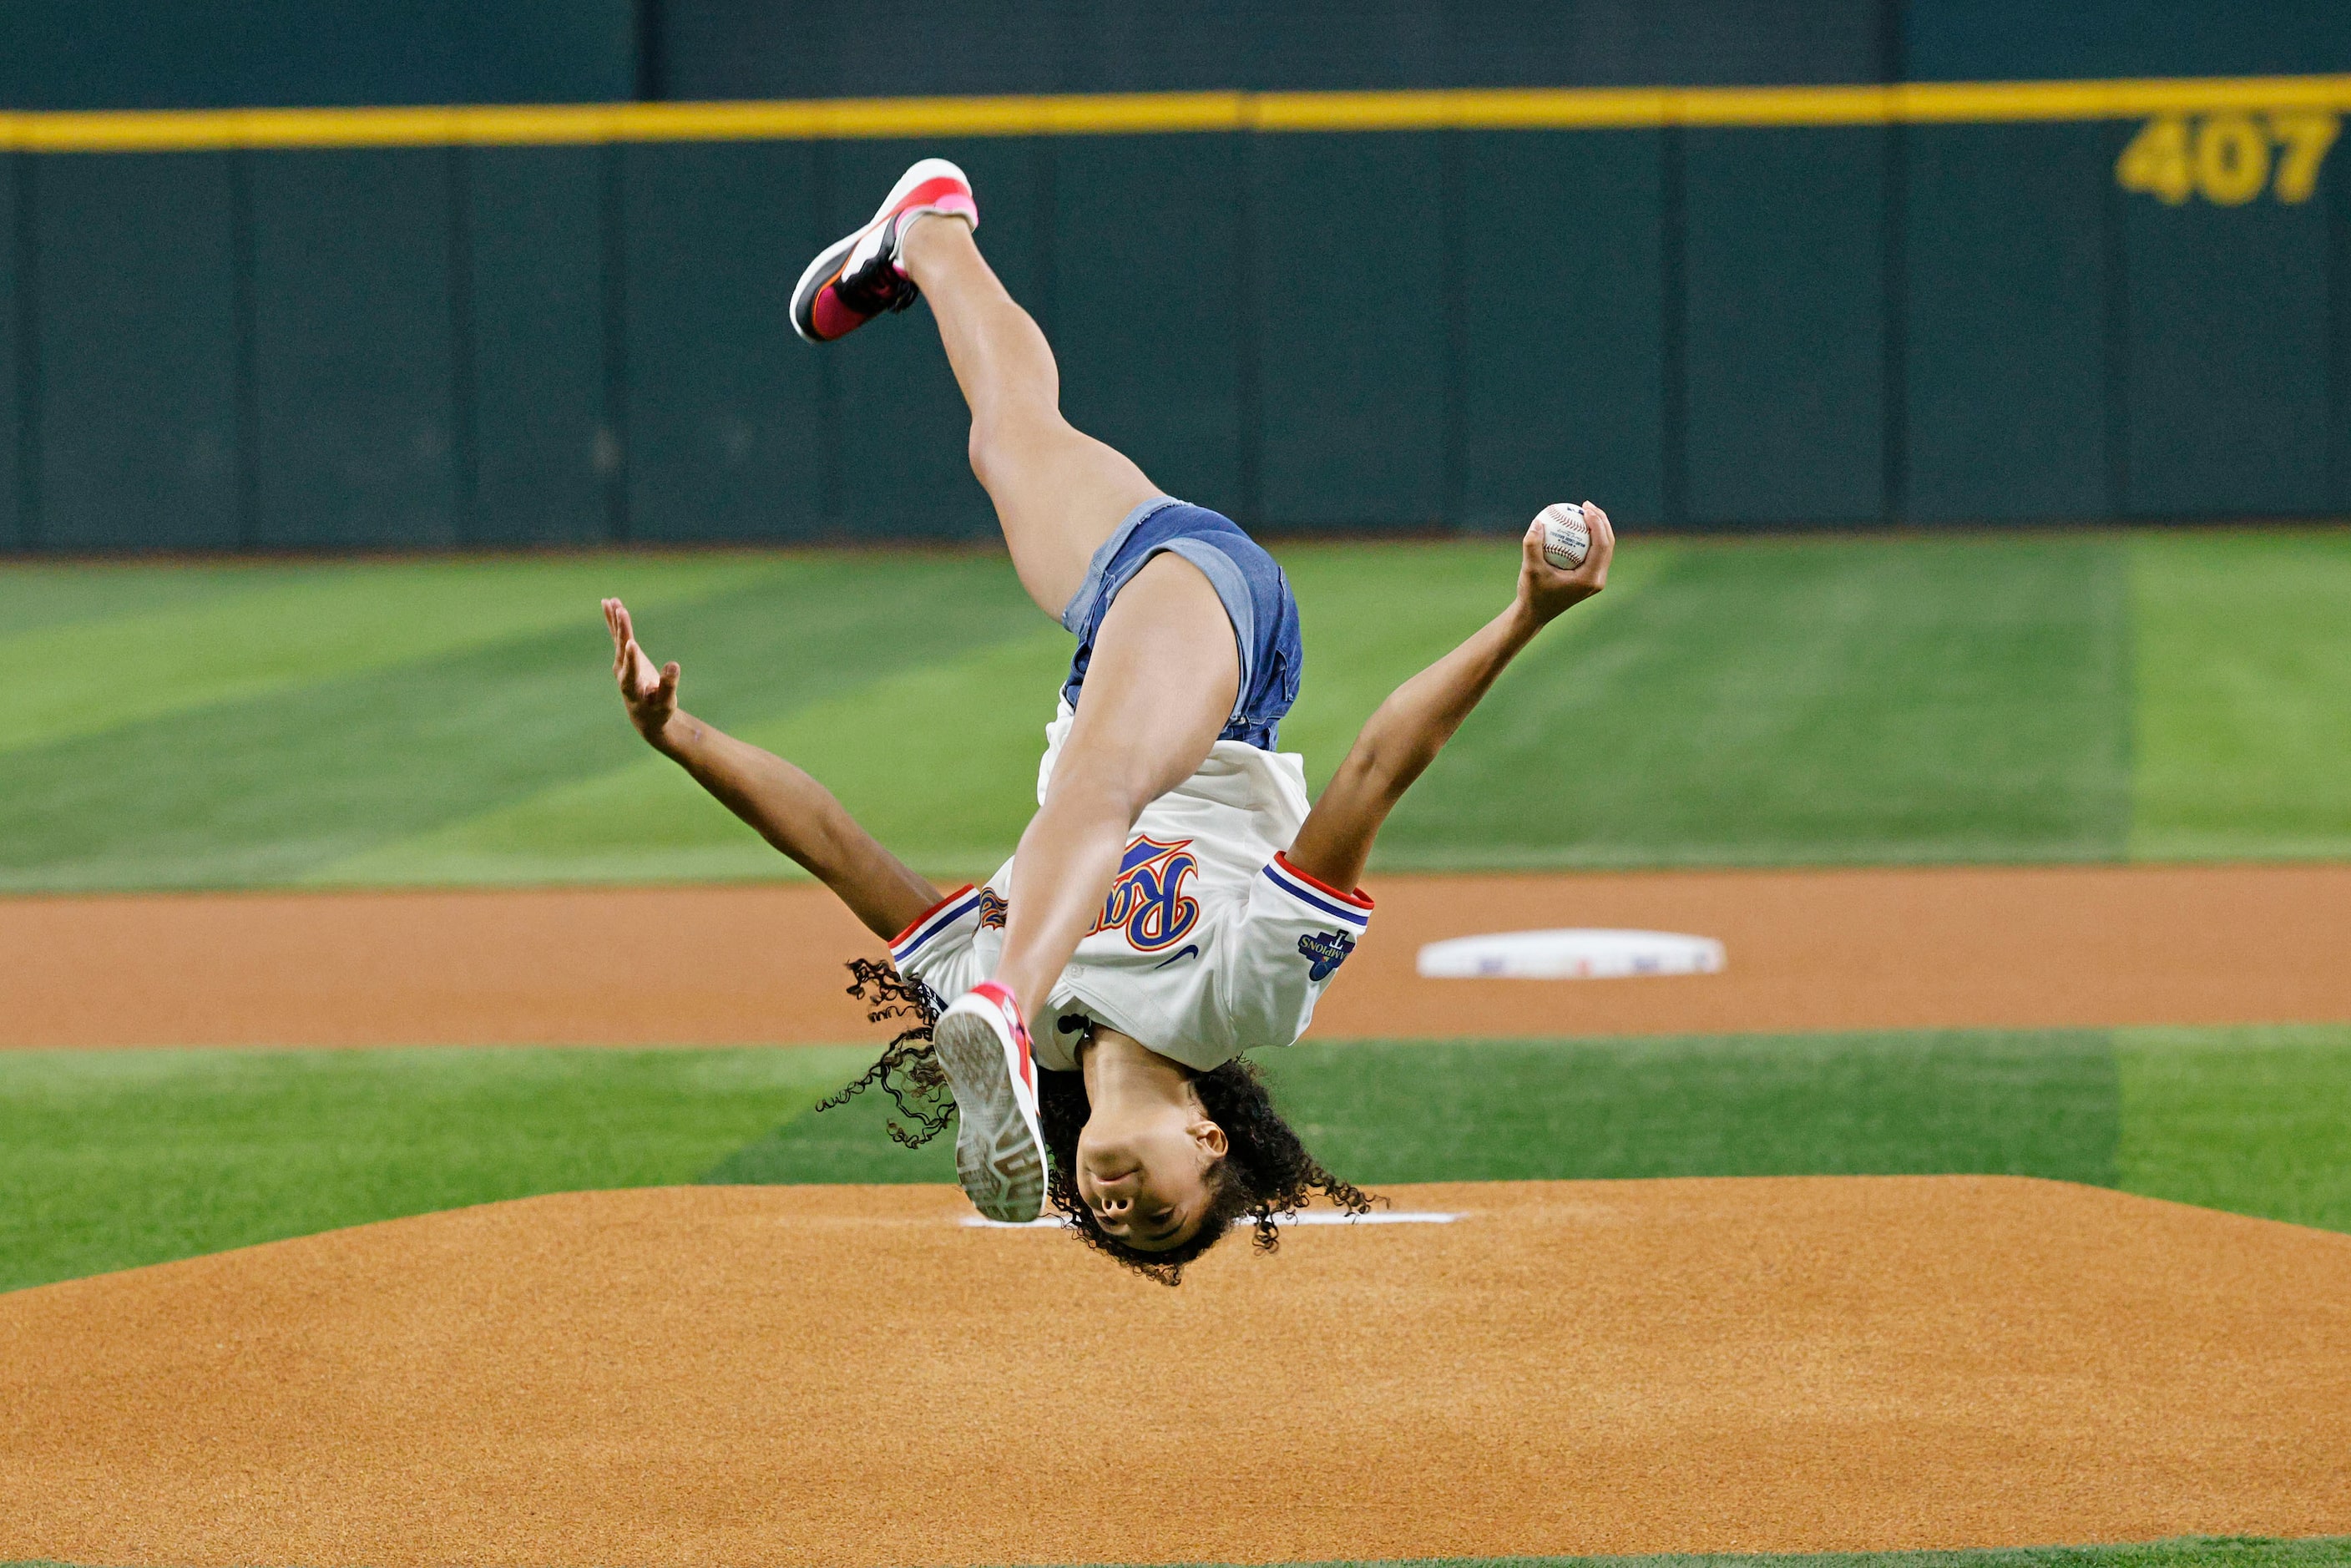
x=1835 y=700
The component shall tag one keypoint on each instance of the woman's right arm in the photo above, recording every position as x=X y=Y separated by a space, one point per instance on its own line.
x=1405 y=735
x=783 y=804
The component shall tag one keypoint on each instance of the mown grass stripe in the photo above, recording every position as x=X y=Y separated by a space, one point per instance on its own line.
x=271 y=788
x=1817 y=701
x=274 y=632
x=881 y=745
x=112 y=1159
x=1829 y=702
x=2257 y=1120
x=1373 y=618
x=38 y=594
x=2041 y=1103
x=2241 y=694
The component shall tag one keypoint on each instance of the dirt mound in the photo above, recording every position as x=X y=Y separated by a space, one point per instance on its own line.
x=851 y=1375
x=1951 y=946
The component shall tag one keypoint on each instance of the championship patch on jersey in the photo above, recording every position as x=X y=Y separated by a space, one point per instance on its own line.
x=1324 y=951
x=1148 y=902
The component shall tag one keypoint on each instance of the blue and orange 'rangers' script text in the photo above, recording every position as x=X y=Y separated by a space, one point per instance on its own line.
x=1148 y=899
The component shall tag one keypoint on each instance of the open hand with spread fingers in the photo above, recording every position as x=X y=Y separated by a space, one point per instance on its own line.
x=1546 y=591
x=650 y=694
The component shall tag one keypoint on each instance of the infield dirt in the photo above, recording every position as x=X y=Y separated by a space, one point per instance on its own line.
x=1988 y=947
x=853 y=1376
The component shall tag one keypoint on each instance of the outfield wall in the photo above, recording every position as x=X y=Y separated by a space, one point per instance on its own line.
x=1407 y=308
x=223 y=54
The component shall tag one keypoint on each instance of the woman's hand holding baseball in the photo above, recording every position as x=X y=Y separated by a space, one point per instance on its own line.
x=1545 y=591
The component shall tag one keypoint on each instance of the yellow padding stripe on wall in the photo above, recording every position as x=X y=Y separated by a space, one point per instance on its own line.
x=1113 y=114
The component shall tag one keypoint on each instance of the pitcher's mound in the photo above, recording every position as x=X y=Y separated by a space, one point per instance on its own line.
x=851 y=1375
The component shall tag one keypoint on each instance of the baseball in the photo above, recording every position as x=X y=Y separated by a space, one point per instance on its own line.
x=1565 y=538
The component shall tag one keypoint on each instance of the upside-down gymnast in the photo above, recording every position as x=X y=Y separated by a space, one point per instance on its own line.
x=1174 y=901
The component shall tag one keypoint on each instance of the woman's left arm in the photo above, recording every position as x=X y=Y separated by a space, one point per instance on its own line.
x=1400 y=740
x=780 y=803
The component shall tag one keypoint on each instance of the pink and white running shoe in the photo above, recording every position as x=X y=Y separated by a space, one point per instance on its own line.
x=983 y=1042
x=858 y=276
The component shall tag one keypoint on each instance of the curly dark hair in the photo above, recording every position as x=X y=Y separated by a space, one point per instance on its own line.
x=908 y=1070
x=1264 y=1174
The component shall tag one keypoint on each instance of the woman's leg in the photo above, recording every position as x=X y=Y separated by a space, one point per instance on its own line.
x=1164 y=673
x=1162 y=684
x=1058 y=491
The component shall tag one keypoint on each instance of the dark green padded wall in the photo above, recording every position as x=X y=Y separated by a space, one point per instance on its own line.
x=2004 y=343
x=136 y=334
x=820 y=48
x=205 y=53
x=1387 y=331
x=1347 y=288
x=2009 y=40
x=2227 y=399
x=727 y=434
x=354 y=315
x=14 y=433
x=901 y=432
x=2228 y=289
x=2336 y=194
x=1145 y=304
x=167 y=53
x=1634 y=43
x=1562 y=382
x=544 y=457
x=515 y=346
x=1320 y=44
x=1784 y=326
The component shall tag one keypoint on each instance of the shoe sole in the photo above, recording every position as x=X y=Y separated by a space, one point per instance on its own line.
x=819 y=272
x=1000 y=1150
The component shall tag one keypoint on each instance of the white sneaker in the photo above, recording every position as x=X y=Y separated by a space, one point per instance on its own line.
x=983 y=1042
x=860 y=276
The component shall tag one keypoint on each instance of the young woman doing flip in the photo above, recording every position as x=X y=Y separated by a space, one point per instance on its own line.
x=1175 y=900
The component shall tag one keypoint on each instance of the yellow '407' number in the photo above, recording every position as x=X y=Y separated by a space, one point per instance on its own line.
x=2227 y=159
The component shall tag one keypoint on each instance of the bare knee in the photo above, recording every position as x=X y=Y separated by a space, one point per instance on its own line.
x=1009 y=445
x=986 y=450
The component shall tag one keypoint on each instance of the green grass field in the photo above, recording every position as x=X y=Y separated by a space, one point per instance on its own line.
x=119 y=1158
x=2025 y=697
x=2002 y=698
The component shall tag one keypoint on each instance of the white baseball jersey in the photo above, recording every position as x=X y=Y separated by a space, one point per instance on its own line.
x=1210 y=941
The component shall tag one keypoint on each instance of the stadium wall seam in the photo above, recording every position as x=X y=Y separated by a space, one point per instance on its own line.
x=1111 y=114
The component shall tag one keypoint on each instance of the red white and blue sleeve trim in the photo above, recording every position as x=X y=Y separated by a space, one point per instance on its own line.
x=931 y=921
x=1354 y=908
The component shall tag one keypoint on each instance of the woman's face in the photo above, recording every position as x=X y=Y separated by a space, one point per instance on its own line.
x=1146 y=1174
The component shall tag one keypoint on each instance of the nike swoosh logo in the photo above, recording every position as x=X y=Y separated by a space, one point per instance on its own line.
x=1188 y=951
